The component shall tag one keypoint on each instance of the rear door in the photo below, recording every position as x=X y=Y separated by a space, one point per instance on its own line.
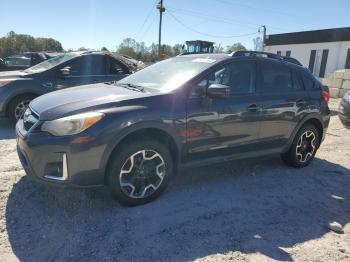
x=217 y=126
x=285 y=102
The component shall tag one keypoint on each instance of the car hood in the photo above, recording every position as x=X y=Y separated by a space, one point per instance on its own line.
x=81 y=99
x=8 y=75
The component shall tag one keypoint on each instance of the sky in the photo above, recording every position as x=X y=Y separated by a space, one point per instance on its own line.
x=97 y=23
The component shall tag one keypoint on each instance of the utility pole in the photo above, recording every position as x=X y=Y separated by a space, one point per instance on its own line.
x=264 y=36
x=161 y=9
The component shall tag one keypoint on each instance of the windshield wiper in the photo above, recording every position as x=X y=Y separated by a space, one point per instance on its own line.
x=132 y=87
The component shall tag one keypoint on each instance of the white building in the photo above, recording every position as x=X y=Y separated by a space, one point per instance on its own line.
x=322 y=51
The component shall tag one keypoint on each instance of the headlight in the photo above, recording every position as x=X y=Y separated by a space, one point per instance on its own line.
x=71 y=125
x=5 y=82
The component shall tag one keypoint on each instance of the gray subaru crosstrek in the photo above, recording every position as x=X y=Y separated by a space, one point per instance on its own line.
x=194 y=109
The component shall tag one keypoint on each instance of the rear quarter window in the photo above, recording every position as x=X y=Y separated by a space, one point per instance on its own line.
x=310 y=83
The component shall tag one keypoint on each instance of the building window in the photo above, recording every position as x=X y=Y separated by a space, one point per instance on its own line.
x=278 y=52
x=318 y=62
x=347 y=62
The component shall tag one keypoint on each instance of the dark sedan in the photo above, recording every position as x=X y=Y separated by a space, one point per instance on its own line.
x=344 y=110
x=18 y=88
x=24 y=60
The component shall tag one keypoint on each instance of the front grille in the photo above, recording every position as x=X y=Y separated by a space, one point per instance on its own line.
x=30 y=118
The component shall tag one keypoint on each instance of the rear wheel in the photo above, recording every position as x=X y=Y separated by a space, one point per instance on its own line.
x=139 y=172
x=303 y=148
x=17 y=106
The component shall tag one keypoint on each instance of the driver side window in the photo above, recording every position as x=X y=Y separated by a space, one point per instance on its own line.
x=219 y=76
x=239 y=76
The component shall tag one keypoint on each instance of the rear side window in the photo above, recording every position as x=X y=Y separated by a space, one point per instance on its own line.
x=276 y=78
x=309 y=83
x=297 y=82
x=114 y=67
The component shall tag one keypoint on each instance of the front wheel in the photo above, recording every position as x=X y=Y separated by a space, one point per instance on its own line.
x=303 y=148
x=139 y=172
x=18 y=105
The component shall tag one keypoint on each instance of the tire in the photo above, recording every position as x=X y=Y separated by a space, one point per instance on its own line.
x=13 y=109
x=296 y=156
x=118 y=172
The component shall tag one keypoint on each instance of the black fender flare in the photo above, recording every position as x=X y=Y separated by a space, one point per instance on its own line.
x=307 y=118
x=126 y=131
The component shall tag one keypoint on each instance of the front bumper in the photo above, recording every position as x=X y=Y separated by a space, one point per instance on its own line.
x=70 y=160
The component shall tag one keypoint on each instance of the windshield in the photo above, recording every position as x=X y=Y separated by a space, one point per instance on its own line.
x=169 y=74
x=48 y=64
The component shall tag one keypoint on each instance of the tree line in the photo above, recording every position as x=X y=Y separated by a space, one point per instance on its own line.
x=14 y=43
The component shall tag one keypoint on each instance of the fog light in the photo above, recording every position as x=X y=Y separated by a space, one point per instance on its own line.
x=57 y=170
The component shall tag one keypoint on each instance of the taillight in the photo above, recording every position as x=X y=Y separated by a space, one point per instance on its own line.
x=325 y=96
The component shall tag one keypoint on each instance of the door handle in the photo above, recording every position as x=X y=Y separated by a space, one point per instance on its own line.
x=253 y=108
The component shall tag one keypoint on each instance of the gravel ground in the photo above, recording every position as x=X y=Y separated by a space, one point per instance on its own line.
x=252 y=210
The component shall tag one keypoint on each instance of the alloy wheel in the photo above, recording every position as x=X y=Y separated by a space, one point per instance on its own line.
x=306 y=146
x=142 y=174
x=20 y=108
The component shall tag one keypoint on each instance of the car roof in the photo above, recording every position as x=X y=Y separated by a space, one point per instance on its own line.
x=215 y=56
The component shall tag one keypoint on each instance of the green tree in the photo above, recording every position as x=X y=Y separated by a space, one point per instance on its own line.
x=235 y=47
x=104 y=49
x=83 y=48
x=14 y=43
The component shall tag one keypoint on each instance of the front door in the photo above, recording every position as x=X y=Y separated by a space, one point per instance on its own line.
x=224 y=126
x=85 y=69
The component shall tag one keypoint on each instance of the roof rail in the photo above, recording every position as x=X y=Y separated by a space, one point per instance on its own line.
x=266 y=54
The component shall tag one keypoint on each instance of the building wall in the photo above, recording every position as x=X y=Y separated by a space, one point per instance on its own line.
x=336 y=56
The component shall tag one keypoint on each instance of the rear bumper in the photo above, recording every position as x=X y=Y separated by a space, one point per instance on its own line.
x=57 y=160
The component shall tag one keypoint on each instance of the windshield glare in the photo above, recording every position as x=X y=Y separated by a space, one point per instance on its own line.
x=169 y=74
x=48 y=64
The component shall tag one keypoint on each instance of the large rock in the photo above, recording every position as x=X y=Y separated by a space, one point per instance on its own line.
x=347 y=74
x=339 y=74
x=336 y=82
x=334 y=92
x=336 y=227
x=346 y=84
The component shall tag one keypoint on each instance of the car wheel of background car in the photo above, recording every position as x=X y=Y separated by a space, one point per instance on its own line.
x=304 y=147
x=18 y=105
x=139 y=172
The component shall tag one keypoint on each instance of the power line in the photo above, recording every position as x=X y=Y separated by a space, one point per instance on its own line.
x=206 y=17
x=149 y=26
x=205 y=34
x=221 y=19
x=265 y=10
x=146 y=19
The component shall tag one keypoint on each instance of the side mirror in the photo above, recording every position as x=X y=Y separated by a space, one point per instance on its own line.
x=218 y=91
x=65 y=71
